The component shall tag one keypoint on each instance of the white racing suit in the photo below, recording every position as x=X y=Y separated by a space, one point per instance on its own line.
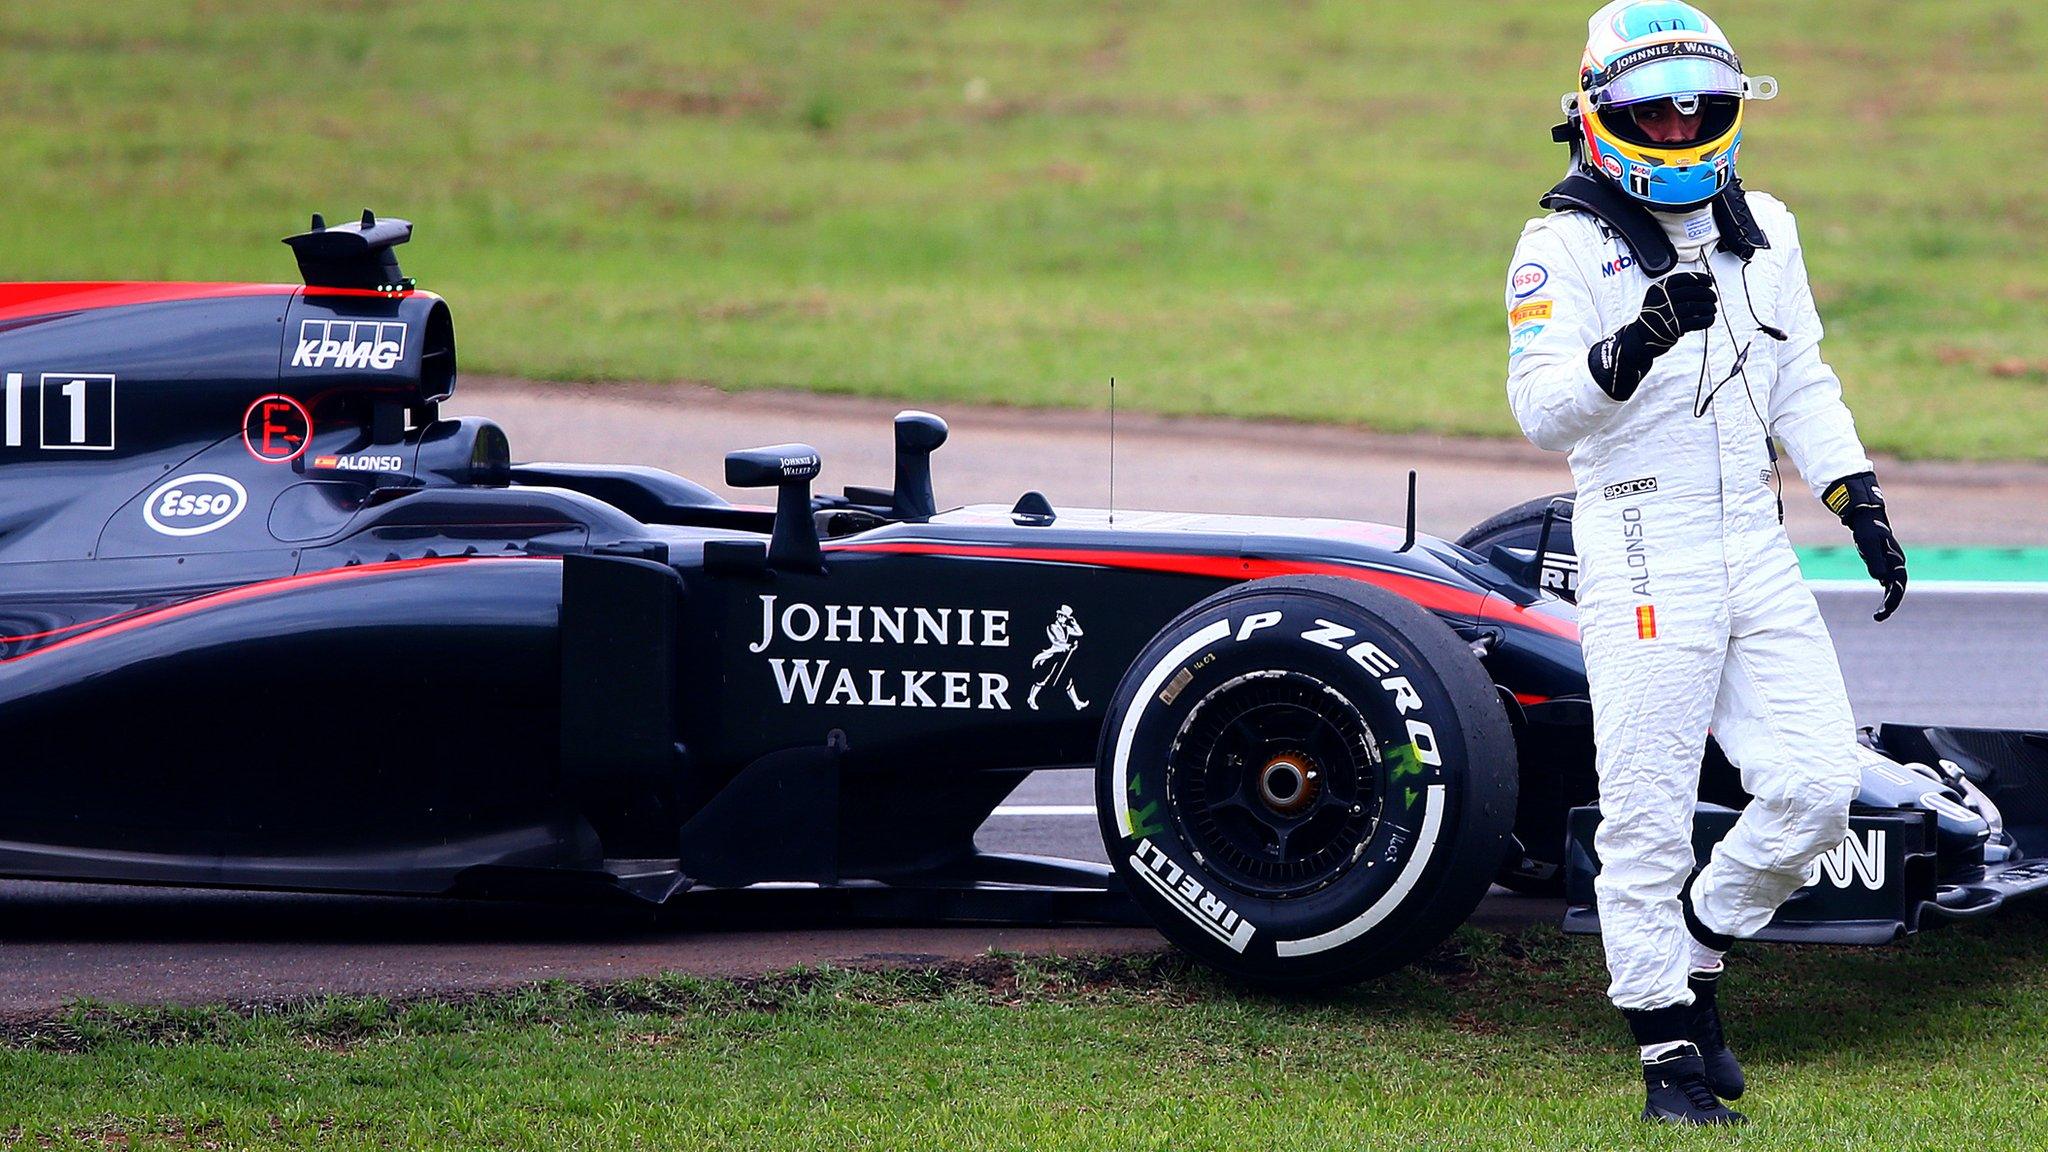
x=1692 y=610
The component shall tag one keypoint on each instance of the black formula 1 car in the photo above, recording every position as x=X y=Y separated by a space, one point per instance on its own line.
x=268 y=619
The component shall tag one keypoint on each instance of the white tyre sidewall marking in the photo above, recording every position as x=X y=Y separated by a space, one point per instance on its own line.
x=1411 y=874
x=1119 y=773
x=234 y=486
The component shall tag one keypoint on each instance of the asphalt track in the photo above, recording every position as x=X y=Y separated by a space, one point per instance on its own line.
x=1958 y=655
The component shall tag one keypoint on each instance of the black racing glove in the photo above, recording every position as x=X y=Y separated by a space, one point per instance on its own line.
x=1681 y=302
x=1860 y=503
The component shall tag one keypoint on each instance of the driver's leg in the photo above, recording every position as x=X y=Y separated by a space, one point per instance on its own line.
x=1783 y=719
x=1653 y=683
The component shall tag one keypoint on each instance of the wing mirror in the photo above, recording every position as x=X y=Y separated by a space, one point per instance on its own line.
x=789 y=469
x=918 y=435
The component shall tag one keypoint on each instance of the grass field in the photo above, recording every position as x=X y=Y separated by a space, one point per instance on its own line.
x=1496 y=1043
x=1290 y=209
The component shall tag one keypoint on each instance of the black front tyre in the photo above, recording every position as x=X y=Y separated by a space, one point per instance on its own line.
x=1306 y=781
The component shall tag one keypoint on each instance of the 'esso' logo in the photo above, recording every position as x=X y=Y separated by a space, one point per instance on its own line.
x=1527 y=278
x=195 y=504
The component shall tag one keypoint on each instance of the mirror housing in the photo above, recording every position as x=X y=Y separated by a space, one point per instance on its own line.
x=918 y=435
x=789 y=469
x=771 y=467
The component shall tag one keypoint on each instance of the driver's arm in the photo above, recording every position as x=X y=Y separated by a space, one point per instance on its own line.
x=1550 y=327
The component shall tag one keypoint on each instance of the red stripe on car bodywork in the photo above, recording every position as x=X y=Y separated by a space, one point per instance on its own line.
x=1425 y=593
x=95 y=621
x=329 y=290
x=20 y=301
x=261 y=588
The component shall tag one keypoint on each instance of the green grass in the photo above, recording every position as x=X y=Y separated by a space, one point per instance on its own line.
x=1496 y=1042
x=1301 y=210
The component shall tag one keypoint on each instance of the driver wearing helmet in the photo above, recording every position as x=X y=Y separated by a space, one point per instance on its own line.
x=1661 y=332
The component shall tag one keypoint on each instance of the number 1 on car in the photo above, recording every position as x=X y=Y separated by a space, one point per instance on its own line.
x=77 y=411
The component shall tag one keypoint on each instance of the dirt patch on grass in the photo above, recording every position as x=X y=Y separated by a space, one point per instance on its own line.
x=2002 y=367
x=341 y=1023
x=696 y=100
x=1473 y=963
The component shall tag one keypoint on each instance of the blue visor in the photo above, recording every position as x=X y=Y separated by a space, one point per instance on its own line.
x=1680 y=76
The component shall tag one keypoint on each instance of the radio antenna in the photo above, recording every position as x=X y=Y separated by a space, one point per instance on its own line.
x=1409 y=542
x=1112 y=451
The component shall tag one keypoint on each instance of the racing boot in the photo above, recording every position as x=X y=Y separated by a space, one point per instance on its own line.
x=1674 y=1076
x=1723 y=1071
x=1678 y=1091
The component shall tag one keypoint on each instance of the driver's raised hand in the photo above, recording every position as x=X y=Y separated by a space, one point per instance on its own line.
x=1680 y=303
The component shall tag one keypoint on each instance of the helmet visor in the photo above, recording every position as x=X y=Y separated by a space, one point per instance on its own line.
x=1678 y=76
x=1661 y=124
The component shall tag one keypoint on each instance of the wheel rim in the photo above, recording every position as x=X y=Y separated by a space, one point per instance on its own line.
x=1274 y=783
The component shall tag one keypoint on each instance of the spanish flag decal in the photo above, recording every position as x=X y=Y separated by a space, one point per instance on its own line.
x=1646 y=622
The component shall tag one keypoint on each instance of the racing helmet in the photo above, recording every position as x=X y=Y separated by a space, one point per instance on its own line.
x=1643 y=57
